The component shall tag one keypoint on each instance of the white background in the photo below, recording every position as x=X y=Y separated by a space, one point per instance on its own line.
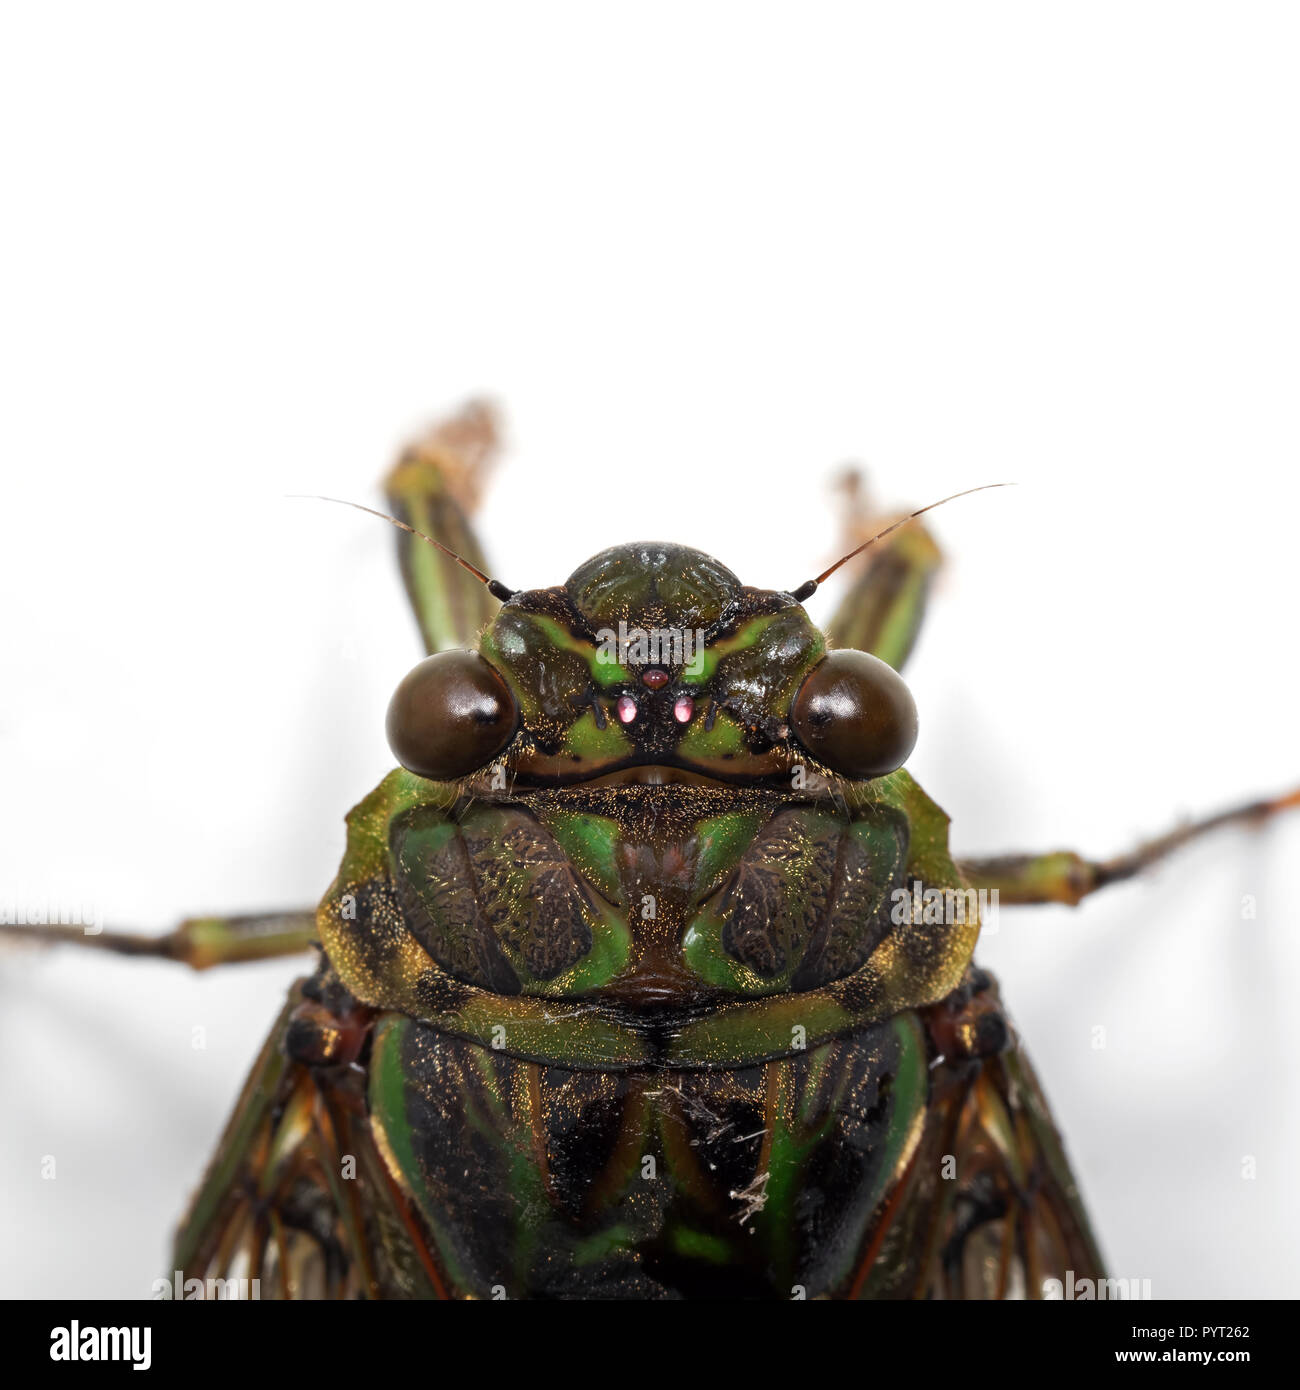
x=703 y=254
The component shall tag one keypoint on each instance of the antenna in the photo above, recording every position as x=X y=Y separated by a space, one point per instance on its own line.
x=810 y=586
x=494 y=586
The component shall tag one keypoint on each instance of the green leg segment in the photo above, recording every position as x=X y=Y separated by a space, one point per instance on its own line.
x=1065 y=877
x=883 y=609
x=435 y=488
x=197 y=942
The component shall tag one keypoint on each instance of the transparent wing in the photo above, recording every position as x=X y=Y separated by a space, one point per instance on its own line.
x=297 y=1196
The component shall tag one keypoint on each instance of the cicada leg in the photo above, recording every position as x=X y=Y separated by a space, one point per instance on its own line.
x=883 y=609
x=435 y=487
x=198 y=942
x=1062 y=876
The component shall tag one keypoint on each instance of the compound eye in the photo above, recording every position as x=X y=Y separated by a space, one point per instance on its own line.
x=854 y=714
x=450 y=716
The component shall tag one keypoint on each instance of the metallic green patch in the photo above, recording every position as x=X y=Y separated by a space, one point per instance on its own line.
x=766 y=656
x=600 y=1245
x=549 y=682
x=413 y=1078
x=804 y=904
x=603 y=671
x=908 y=1100
x=587 y=740
x=745 y=637
x=499 y=903
x=700 y=1245
x=369 y=821
x=392 y=1127
x=725 y=738
x=855 y=1106
x=774 y=1026
x=790 y=1146
x=783 y=889
x=590 y=841
x=722 y=840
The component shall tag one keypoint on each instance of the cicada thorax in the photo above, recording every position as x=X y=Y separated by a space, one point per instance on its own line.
x=652 y=895
x=620 y=925
x=654 y=976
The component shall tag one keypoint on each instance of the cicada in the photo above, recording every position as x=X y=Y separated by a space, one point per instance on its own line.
x=648 y=973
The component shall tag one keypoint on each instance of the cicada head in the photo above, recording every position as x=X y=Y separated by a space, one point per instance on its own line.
x=653 y=661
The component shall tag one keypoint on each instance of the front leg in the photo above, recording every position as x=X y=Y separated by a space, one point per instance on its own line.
x=435 y=487
x=883 y=609
x=1061 y=876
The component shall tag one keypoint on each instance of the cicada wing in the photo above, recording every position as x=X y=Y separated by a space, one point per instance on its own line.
x=1059 y=1220
x=297 y=1201
x=1014 y=1220
x=987 y=1206
x=1010 y=1219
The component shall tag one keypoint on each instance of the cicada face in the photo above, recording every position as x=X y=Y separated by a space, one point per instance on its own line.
x=653 y=662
